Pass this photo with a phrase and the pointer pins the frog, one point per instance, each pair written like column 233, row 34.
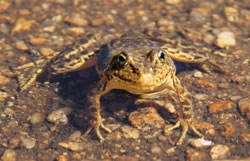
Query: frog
column 141, row 63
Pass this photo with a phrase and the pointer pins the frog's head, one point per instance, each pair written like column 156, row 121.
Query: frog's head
column 137, row 68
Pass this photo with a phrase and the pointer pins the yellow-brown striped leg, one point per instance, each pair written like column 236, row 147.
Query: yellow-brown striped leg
column 93, row 106
column 185, row 111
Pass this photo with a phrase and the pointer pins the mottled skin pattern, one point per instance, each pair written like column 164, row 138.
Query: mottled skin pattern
column 141, row 64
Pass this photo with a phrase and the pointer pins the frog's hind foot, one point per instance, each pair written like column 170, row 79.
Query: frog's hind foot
column 97, row 131
column 28, row 73
column 185, row 124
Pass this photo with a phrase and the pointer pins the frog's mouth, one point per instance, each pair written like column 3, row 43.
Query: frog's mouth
column 146, row 83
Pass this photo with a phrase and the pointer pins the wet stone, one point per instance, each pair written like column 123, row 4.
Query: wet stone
column 76, row 30
column 4, row 6
column 74, row 146
column 201, row 96
column 231, row 14
column 28, row 143
column 146, row 118
column 228, row 130
column 219, row 152
column 45, row 51
column 37, row 40
column 155, row 149
column 225, row 39
column 59, row 116
column 130, row 132
column 61, row 158
column 245, row 137
column 75, row 136
column 36, row 118
column 200, row 143
column 4, row 80
column 9, row 155
column 77, row 20
column 244, row 106
column 223, row 85
column 22, row 25
column 21, row 46
column 198, row 74
column 220, row 106
column 97, row 22
column 3, row 96
column 205, row 84
column 193, row 155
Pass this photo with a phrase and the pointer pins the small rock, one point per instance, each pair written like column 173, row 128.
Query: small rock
column 45, row 51
column 244, row 106
column 231, row 14
column 4, row 80
column 245, row 137
column 220, row 106
column 241, row 79
column 77, row 20
column 205, row 84
column 173, row 1
column 59, row 116
column 3, row 96
column 61, row 158
column 200, row 143
column 4, row 5
column 163, row 22
column 193, row 155
column 28, row 142
column 198, row 74
column 171, row 150
column 36, row 118
column 219, row 152
column 76, row 30
column 155, row 149
column 21, row 46
column 22, row 25
column 209, row 38
column 97, row 22
column 228, row 130
column 74, row 146
column 9, row 155
column 146, row 118
column 225, row 39
column 129, row 132
column 75, row 136
column 37, row 40
column 235, row 98
column 9, row 112
column 223, row 85
column 49, row 29
column 200, row 96
column 241, row 159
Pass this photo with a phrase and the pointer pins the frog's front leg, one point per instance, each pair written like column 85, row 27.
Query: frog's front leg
column 94, row 110
column 185, row 111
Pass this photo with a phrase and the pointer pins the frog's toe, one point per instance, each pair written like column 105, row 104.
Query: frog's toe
column 99, row 135
column 195, row 131
column 105, row 128
column 97, row 131
column 185, row 124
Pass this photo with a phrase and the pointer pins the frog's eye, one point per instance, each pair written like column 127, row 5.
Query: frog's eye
column 161, row 55
column 119, row 61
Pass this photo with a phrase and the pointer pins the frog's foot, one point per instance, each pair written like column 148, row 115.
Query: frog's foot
column 185, row 124
column 97, row 130
column 212, row 65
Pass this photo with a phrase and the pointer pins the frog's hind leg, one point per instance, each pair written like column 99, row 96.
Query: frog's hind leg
column 202, row 61
column 28, row 73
